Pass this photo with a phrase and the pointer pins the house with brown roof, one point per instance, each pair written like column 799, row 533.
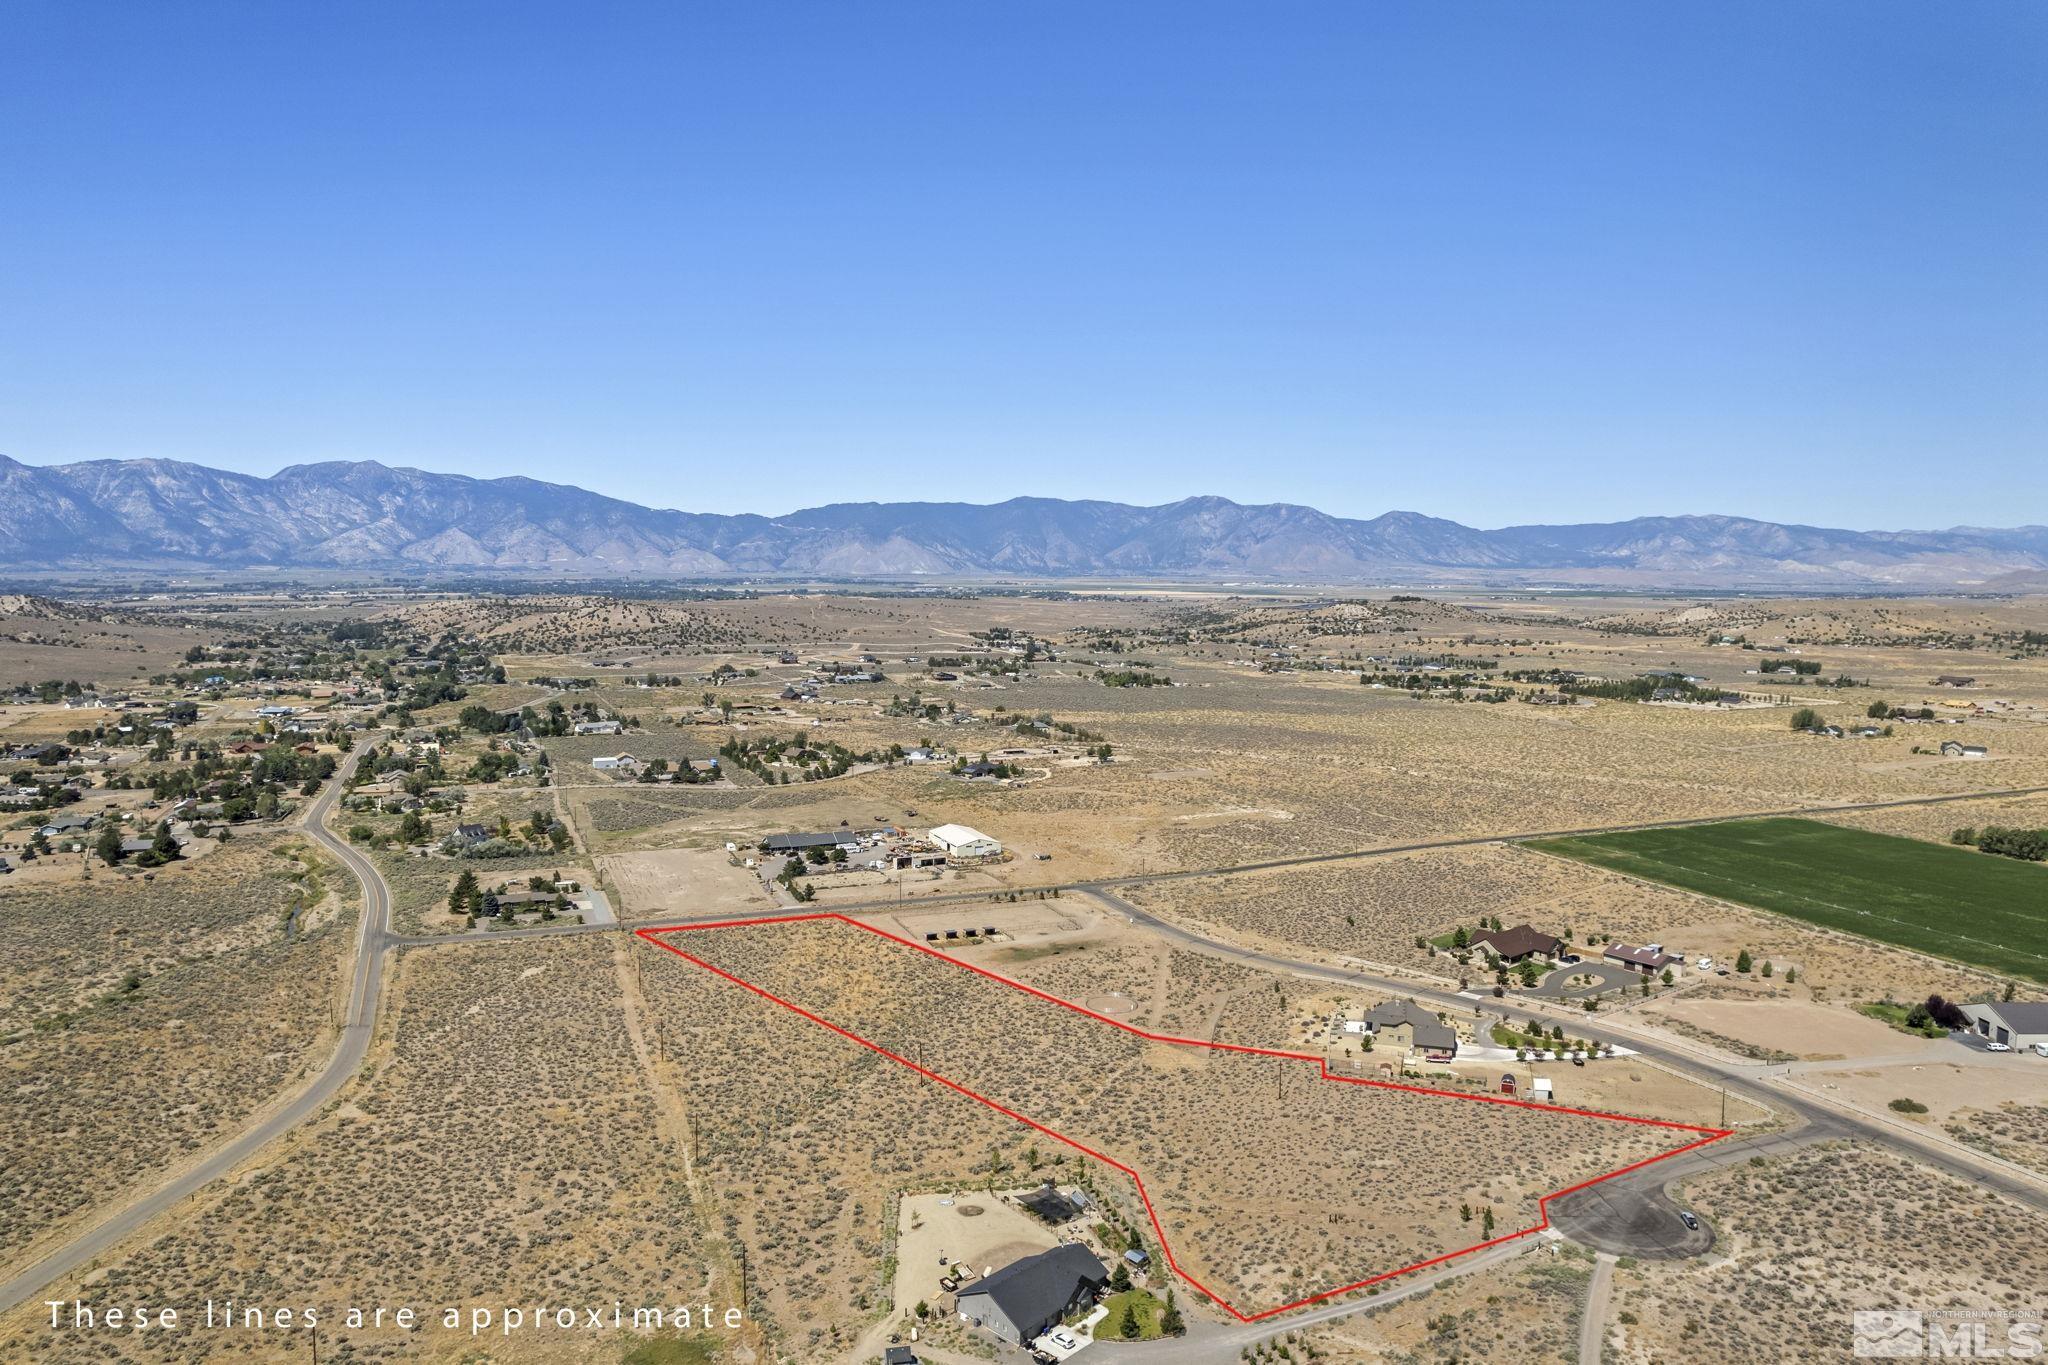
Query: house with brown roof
column 1518, row 944
column 1648, row 960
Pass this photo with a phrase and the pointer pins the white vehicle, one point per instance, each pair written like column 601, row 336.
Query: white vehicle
column 1705, row 964
column 1062, row 1338
column 1998, row 1047
column 2041, row 1049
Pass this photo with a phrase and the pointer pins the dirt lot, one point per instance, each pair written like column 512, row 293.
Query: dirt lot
column 1811, row 1031
column 1804, row 1242
column 1253, row 1216
column 681, row 881
column 970, row 1227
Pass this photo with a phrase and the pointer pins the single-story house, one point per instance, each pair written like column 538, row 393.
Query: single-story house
column 1952, row 749
column 804, row 843
column 71, row 822
column 615, row 761
column 597, row 727
column 1648, row 960
column 1020, row 1301
column 958, row 841
column 2020, row 1024
column 1517, row 944
column 471, row 834
column 1413, row 1029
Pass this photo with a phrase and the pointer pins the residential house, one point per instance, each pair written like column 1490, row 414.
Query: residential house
column 1517, row 944
column 1022, row 1300
column 1648, row 960
column 614, row 762
column 1952, row 749
column 1412, row 1028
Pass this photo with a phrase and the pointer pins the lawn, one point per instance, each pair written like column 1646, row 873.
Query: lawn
column 1144, row 1307
column 1958, row 903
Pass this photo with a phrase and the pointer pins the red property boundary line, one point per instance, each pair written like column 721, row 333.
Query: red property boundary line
column 657, row 935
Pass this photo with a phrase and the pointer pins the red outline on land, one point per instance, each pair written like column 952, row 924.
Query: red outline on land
column 655, row 934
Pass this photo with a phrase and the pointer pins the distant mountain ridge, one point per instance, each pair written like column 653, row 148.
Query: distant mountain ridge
column 114, row 514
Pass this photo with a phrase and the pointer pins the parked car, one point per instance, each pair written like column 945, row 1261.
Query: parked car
column 1998, row 1047
column 1062, row 1338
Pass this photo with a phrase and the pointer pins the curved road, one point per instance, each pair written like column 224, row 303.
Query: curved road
column 1817, row 1121
column 374, row 938
column 366, row 987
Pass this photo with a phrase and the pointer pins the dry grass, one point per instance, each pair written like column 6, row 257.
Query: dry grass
column 505, row 1146
column 1271, row 1183
column 144, row 1020
column 1806, row 1241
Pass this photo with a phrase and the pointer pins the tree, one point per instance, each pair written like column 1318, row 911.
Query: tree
column 464, row 894
column 1878, row 710
column 162, row 846
column 109, row 845
column 1791, row 976
column 1127, row 1325
column 1806, row 718
column 1743, row 961
column 1170, row 1323
column 1120, row 1278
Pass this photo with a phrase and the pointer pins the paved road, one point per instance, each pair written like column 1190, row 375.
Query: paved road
column 1817, row 1120
column 366, row 987
column 1593, row 1318
column 1214, row 1343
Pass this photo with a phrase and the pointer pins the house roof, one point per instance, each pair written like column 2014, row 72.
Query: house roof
column 957, row 834
column 1038, row 1288
column 2021, row 1016
column 1642, row 957
column 1516, row 942
column 1430, row 1032
column 783, row 843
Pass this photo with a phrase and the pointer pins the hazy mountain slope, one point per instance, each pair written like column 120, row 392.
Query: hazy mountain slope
column 116, row 513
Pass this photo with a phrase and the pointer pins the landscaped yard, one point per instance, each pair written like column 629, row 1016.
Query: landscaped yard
column 1961, row 904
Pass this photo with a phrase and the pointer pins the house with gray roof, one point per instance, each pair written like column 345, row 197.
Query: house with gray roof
column 2019, row 1024
column 1407, row 1025
column 1022, row 1300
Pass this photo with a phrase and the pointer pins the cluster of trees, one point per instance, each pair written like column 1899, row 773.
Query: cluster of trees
column 245, row 787
column 468, row 899
column 53, row 690
column 1131, row 677
column 816, row 760
column 162, row 847
column 2028, row 845
column 1639, row 689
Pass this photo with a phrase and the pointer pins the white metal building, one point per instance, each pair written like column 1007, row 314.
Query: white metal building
column 958, row 841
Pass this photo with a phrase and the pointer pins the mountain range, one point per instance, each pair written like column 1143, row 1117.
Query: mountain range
column 366, row 516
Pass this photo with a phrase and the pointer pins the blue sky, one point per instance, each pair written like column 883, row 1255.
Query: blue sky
column 1497, row 262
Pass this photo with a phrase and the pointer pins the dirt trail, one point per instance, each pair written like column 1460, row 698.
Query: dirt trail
column 674, row 1120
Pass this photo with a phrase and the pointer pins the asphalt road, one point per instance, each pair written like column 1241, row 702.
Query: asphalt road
column 374, row 938
column 365, row 989
column 1816, row 1121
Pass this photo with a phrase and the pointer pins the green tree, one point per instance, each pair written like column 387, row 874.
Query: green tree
column 1170, row 1322
column 108, row 845
column 1743, row 961
column 1878, row 710
column 1806, row 718
column 1127, row 1325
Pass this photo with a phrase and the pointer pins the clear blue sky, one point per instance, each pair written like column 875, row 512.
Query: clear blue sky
column 1500, row 262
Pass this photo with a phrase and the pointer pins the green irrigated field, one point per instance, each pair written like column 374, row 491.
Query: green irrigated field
column 1973, row 907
